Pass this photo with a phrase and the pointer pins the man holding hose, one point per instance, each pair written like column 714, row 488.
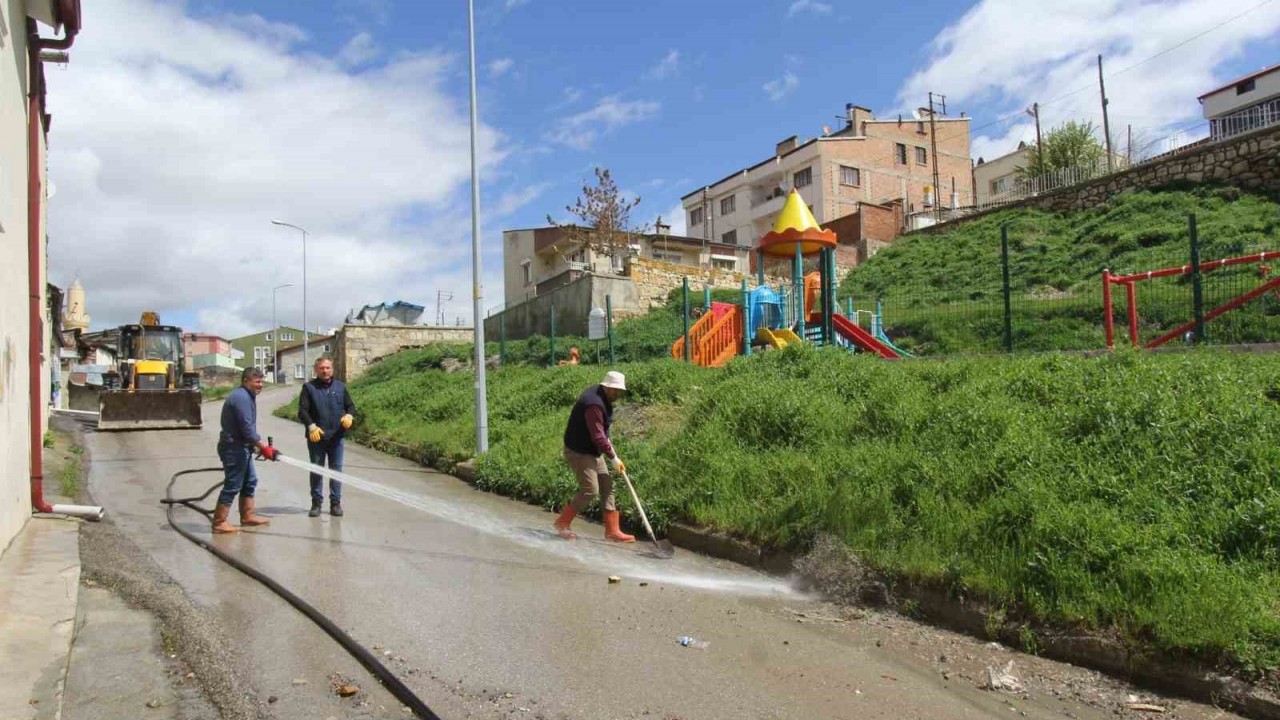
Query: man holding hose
column 237, row 440
column 586, row 445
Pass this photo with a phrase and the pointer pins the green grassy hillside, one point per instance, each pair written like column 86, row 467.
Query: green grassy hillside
column 941, row 292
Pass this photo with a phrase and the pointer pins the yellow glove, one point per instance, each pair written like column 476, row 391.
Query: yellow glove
column 314, row 433
column 619, row 466
column 346, row 421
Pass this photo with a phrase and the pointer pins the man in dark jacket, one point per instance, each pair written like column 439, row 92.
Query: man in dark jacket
column 236, row 443
column 586, row 445
column 326, row 409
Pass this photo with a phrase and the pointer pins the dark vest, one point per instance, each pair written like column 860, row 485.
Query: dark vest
column 576, row 437
column 327, row 407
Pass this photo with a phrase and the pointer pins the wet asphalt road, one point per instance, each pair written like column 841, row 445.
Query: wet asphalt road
column 475, row 604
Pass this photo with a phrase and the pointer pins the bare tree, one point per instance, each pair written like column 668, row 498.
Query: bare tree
column 603, row 218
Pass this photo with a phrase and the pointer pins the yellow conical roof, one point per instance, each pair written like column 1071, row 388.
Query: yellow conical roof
column 795, row 215
column 796, row 230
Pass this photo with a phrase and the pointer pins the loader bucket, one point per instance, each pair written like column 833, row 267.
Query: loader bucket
column 142, row 410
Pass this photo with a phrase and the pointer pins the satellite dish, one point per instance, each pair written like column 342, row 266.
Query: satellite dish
column 915, row 114
column 52, row 189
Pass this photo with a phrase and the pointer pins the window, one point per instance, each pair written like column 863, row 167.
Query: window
column 695, row 216
column 1246, row 86
column 286, row 336
column 261, row 354
column 900, row 153
column 297, row 372
column 850, row 176
column 922, row 156
column 730, row 238
column 326, row 348
column 671, row 257
column 803, row 178
column 528, row 272
column 724, row 264
column 920, row 126
column 728, row 205
column 1001, row 185
column 268, row 338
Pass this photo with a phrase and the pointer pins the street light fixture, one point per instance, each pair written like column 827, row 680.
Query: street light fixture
column 305, row 358
column 275, row 335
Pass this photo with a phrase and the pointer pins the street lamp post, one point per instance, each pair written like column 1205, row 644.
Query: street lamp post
column 275, row 336
column 305, row 353
column 482, row 413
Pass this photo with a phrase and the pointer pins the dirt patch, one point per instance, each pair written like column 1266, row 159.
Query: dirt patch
column 646, row 423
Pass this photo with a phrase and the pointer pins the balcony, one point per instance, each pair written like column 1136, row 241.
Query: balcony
column 768, row 204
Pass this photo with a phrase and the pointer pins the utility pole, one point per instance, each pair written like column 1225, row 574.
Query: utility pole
column 441, row 295
column 933, row 142
column 1106, row 122
column 1035, row 112
column 1128, row 153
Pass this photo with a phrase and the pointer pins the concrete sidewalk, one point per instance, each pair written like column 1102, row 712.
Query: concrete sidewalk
column 74, row 650
column 39, row 586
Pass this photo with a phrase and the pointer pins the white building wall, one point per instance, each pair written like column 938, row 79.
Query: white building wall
column 517, row 246
column 15, row 463
column 753, row 214
column 1226, row 101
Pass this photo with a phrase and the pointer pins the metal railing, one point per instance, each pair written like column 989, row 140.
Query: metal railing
column 1245, row 121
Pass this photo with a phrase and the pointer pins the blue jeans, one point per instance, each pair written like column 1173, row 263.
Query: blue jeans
column 237, row 468
column 326, row 453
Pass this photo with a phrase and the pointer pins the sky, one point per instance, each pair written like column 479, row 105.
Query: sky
column 181, row 129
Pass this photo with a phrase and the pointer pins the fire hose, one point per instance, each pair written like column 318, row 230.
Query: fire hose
column 371, row 663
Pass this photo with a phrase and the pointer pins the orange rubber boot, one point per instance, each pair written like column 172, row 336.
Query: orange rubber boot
column 563, row 522
column 612, row 531
column 248, row 518
column 220, row 524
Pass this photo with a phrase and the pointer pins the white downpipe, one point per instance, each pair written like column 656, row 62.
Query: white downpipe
column 88, row 512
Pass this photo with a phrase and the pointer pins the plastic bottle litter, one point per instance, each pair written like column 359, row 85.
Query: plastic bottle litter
column 689, row 642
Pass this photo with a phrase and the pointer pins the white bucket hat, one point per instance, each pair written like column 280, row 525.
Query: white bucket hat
column 614, row 379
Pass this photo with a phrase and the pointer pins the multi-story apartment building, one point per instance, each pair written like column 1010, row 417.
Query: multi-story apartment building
column 868, row 161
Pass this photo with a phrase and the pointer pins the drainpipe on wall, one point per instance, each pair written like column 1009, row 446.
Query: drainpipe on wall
column 69, row 17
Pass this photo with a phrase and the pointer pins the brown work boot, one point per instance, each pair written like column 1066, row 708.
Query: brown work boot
column 612, row 531
column 563, row 522
column 220, row 524
column 247, row 517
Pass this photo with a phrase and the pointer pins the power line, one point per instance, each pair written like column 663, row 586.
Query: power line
column 1126, row 69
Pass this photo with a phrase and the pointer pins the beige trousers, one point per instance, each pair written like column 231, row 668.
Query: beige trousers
column 593, row 478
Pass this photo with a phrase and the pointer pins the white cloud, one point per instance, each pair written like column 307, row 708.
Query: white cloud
column 675, row 218
column 666, row 67
column 1003, row 55
column 780, row 88
column 177, row 140
column 499, row 67
column 580, row 131
column 359, row 50
column 512, row 201
column 813, row 6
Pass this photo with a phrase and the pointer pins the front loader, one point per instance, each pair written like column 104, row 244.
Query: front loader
column 147, row 389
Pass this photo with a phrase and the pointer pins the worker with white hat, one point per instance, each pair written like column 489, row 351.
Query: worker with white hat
column 586, row 445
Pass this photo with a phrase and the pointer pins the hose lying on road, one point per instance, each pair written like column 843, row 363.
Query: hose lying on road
column 366, row 658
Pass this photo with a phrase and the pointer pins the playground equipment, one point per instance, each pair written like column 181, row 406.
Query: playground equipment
column 811, row 315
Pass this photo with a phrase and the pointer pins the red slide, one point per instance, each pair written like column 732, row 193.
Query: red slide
column 859, row 337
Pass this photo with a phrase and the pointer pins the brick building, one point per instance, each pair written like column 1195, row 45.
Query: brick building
column 869, row 161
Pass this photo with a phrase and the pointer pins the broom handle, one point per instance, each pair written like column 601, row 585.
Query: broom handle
column 643, row 518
